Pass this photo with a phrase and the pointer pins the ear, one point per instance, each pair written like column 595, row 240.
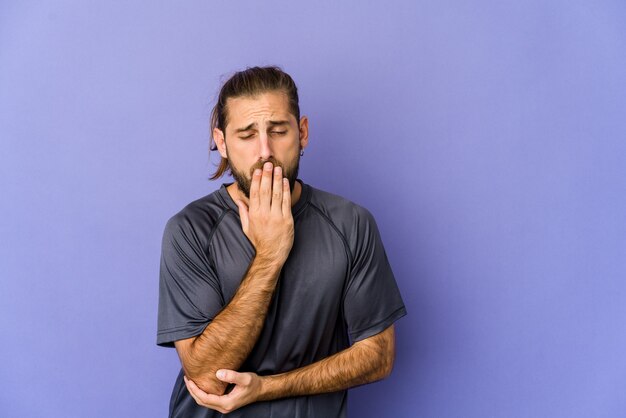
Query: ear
column 218, row 136
column 304, row 132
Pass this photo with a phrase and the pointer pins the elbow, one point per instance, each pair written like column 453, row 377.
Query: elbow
column 208, row 382
column 213, row 386
column 385, row 368
column 380, row 369
column 380, row 349
column 386, row 359
column 388, row 352
column 199, row 369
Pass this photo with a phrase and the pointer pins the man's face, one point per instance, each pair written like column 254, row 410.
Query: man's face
column 260, row 129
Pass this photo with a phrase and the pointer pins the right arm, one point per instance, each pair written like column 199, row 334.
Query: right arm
column 230, row 336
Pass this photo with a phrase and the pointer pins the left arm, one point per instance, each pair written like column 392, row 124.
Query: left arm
column 366, row 361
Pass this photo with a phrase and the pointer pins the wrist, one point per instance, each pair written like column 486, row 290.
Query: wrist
column 268, row 261
column 269, row 388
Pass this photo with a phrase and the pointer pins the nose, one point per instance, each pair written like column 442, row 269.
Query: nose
column 265, row 151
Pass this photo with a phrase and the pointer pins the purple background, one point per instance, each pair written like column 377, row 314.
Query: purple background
column 488, row 138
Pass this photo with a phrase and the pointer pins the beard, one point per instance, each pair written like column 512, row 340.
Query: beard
column 244, row 181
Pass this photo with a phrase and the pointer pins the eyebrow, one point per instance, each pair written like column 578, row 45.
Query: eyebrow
column 253, row 125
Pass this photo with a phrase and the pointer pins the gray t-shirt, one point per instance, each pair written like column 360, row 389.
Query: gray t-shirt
column 336, row 287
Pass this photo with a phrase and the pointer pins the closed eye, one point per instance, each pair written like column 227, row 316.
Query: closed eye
column 273, row 132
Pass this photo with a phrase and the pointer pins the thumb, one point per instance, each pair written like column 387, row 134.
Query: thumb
column 243, row 215
column 229, row 376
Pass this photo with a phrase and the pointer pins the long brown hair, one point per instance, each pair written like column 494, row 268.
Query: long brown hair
column 250, row 82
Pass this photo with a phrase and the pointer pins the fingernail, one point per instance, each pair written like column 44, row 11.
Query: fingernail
column 185, row 377
column 220, row 374
column 267, row 166
column 257, row 172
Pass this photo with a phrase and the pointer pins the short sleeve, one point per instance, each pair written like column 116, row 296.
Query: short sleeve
column 189, row 291
column 372, row 300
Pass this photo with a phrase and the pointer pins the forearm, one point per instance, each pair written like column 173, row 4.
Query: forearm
column 364, row 362
column 229, row 338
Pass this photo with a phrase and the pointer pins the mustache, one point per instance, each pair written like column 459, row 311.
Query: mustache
column 259, row 164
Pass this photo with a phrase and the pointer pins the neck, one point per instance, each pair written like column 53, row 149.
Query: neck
column 237, row 194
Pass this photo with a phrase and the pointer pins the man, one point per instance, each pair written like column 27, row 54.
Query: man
column 277, row 296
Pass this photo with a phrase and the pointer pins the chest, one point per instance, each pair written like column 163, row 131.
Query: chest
column 314, row 273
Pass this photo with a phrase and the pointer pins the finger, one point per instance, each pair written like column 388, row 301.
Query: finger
column 193, row 390
column 277, row 189
column 286, row 197
column 201, row 397
column 231, row 376
column 243, row 215
column 265, row 191
column 254, row 188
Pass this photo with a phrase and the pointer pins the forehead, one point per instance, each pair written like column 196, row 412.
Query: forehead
column 247, row 109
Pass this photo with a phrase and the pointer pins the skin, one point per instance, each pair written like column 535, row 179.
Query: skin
column 264, row 140
column 210, row 360
column 366, row 361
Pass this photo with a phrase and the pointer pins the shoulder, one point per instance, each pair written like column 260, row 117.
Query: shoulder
column 353, row 221
column 197, row 219
column 338, row 209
